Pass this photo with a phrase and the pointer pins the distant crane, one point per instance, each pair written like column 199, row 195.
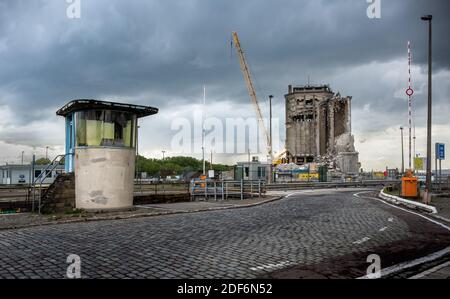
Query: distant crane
column 252, row 92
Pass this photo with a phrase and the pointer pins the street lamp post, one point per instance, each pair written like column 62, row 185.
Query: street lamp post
column 403, row 153
column 428, row 19
column 270, row 140
column 137, row 153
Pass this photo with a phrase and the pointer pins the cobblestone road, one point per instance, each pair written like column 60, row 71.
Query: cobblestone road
column 300, row 231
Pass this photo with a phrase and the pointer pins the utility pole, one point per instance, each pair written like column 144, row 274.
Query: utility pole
column 203, row 129
column 211, row 164
column 46, row 152
column 403, row 153
column 163, row 153
column 428, row 18
column 270, row 139
column 22, row 156
column 137, row 150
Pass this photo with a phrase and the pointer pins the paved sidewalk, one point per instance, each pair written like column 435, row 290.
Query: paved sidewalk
column 21, row 220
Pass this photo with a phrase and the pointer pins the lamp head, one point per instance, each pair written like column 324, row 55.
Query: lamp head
column 427, row 18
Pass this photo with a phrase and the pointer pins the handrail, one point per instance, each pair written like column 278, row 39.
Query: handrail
column 41, row 178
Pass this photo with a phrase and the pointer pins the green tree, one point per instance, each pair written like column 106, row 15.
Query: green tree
column 43, row 161
column 173, row 166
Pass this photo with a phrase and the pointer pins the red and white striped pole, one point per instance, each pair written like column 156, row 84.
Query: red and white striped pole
column 409, row 93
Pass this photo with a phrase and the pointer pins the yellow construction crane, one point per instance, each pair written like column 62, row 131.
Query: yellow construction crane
column 252, row 93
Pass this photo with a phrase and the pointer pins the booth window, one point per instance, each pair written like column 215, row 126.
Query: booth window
column 105, row 128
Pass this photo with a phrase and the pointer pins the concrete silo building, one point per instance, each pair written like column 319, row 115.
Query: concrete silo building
column 318, row 128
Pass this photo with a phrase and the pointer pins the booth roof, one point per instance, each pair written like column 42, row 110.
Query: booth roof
column 82, row 104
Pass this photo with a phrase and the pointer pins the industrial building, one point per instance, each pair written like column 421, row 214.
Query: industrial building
column 14, row 174
column 252, row 171
column 318, row 128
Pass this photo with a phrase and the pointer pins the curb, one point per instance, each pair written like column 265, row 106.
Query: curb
column 440, row 218
column 409, row 203
column 140, row 215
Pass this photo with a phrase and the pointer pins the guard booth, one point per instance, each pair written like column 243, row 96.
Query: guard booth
column 101, row 150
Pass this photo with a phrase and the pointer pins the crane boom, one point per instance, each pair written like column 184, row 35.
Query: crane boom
column 252, row 92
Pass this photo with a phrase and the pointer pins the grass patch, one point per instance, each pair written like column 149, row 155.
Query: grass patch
column 392, row 191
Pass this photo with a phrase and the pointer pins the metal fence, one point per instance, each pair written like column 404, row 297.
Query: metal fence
column 160, row 188
column 224, row 190
column 15, row 199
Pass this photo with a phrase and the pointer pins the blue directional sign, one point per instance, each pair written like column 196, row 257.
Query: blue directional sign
column 440, row 151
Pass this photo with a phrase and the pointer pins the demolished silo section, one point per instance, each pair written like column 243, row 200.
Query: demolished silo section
column 318, row 129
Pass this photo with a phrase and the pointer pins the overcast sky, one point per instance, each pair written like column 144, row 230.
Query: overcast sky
column 160, row 53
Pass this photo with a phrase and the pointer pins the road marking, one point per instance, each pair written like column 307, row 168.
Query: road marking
column 357, row 194
column 430, row 271
column 411, row 212
column 409, row 264
column 363, row 240
column 383, row 229
column 292, row 192
column 272, row 266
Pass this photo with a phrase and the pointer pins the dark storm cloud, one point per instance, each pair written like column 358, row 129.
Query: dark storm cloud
column 161, row 52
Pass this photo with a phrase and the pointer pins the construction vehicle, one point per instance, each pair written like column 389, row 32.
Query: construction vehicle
column 252, row 92
column 254, row 99
column 280, row 158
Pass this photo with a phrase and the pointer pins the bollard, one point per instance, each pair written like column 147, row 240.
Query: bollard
column 215, row 191
column 222, row 192
column 226, row 191
column 259, row 188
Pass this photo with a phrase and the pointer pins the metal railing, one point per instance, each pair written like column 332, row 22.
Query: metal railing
column 224, row 190
column 39, row 180
column 303, row 185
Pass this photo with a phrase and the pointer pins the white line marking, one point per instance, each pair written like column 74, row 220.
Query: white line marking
column 430, row 271
column 327, row 190
column 272, row 266
column 418, row 261
column 363, row 240
column 391, row 219
column 357, row 194
column 411, row 212
column 383, row 229
column 409, row 264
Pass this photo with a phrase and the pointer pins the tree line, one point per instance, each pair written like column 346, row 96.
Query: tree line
column 174, row 166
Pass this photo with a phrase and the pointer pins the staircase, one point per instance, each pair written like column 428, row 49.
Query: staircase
column 60, row 196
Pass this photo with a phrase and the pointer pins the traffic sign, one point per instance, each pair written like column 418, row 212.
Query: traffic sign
column 440, row 151
column 419, row 163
